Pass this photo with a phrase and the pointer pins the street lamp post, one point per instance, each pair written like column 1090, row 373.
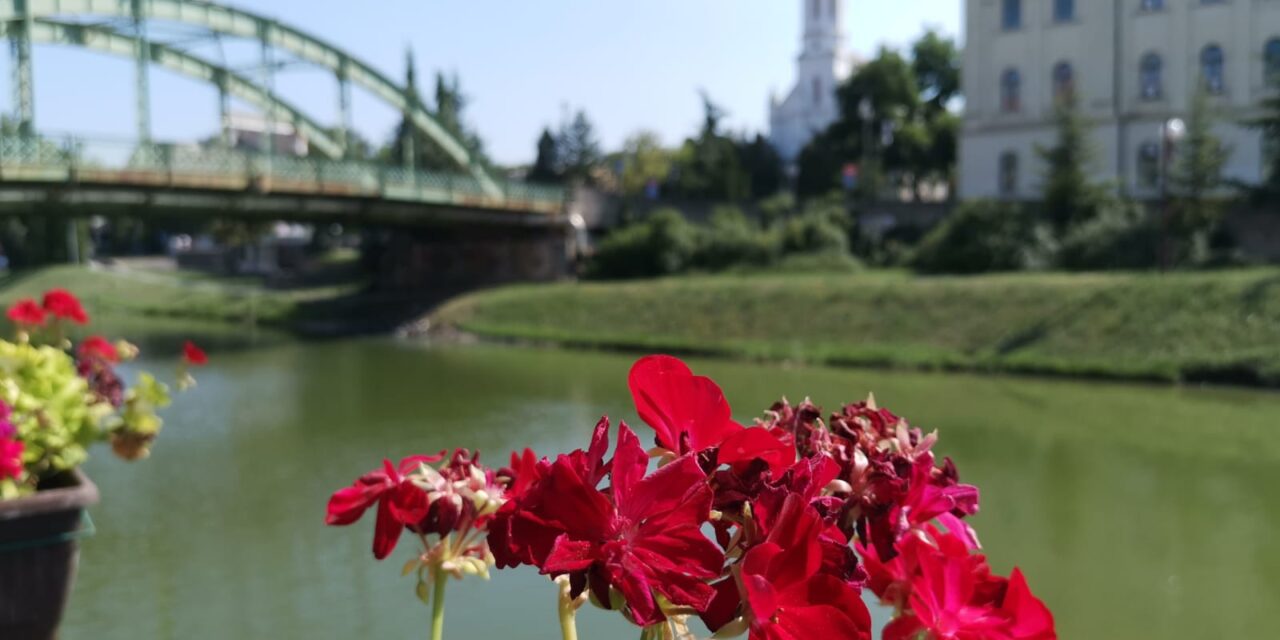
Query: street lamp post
column 1171, row 132
column 866, row 111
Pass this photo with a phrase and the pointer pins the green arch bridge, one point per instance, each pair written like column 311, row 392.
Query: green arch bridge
column 108, row 174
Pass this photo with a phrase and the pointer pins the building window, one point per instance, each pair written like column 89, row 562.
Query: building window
column 1010, row 91
column 815, row 9
column 1064, row 82
column 1212, row 69
column 1011, row 15
column 1064, row 10
column 1008, row 174
column 1149, row 165
column 817, row 91
column 1152, row 5
column 1152, row 76
column 1271, row 61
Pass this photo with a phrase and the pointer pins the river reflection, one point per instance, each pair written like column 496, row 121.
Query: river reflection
column 1136, row 511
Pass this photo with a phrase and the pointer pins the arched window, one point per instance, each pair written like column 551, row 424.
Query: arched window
column 1011, row 14
column 1008, row 174
column 1011, row 91
column 1064, row 81
column 1151, row 76
column 1213, row 69
column 1149, row 165
column 1064, row 10
column 1271, row 61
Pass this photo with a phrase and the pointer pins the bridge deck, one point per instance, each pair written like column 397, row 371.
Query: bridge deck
column 207, row 175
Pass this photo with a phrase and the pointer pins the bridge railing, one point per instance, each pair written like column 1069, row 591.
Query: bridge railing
column 216, row 167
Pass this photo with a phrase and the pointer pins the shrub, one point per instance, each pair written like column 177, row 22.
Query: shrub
column 983, row 236
column 730, row 239
column 823, row 227
column 661, row 244
column 1120, row 236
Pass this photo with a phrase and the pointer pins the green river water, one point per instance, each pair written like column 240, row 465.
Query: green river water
column 1136, row 511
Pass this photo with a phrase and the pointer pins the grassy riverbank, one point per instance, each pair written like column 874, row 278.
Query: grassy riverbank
column 1219, row 326
column 160, row 294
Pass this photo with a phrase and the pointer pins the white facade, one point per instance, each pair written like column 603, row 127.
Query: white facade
column 823, row 64
column 1132, row 64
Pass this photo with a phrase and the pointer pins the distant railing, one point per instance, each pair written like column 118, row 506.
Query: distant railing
column 213, row 167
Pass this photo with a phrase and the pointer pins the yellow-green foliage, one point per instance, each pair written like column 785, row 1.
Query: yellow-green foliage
column 140, row 405
column 55, row 414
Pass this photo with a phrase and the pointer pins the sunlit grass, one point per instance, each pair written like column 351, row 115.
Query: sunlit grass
column 1212, row 325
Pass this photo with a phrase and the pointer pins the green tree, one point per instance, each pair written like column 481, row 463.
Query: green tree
column 1070, row 198
column 905, row 133
column 412, row 147
column 763, row 166
column 709, row 166
column 579, row 148
column 644, row 161
column 1197, row 172
column 546, row 168
column 935, row 61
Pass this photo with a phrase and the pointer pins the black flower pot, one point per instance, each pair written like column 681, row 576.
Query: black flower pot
column 38, row 555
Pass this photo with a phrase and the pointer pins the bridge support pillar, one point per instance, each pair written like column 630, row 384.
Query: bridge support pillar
column 142, row 79
column 458, row 259
column 24, row 97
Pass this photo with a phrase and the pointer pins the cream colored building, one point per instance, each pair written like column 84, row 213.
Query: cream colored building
column 1132, row 65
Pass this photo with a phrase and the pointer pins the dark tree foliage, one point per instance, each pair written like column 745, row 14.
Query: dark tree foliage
column 909, row 136
column 578, row 148
column 450, row 104
column 763, row 166
column 547, row 166
column 1069, row 197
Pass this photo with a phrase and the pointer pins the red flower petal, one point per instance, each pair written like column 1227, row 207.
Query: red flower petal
column 1031, row 619
column 193, row 355
column 688, row 412
column 26, row 312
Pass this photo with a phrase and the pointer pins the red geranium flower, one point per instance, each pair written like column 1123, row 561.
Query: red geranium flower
column 98, row 347
column 788, row 597
column 399, row 502
column 10, row 458
column 955, row 597
column 690, row 414
column 26, row 312
column 193, row 355
column 640, row 536
column 64, row 306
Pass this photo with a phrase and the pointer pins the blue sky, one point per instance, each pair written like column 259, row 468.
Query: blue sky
column 630, row 65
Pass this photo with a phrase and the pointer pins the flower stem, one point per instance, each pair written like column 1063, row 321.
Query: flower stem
column 437, row 605
column 568, row 611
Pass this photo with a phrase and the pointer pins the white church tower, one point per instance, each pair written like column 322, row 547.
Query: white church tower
column 823, row 64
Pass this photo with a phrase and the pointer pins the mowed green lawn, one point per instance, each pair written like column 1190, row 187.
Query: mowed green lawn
column 164, row 294
column 1219, row 326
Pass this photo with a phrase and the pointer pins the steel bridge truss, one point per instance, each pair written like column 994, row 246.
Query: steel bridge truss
column 121, row 28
